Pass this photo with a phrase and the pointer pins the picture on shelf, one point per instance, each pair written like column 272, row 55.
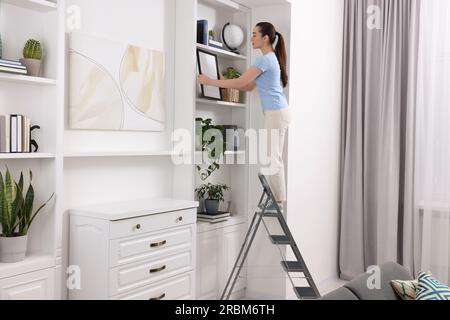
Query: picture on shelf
column 115, row 86
column 208, row 65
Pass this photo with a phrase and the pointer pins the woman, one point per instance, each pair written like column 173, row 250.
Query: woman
column 270, row 76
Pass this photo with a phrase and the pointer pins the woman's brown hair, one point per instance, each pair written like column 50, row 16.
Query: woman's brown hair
column 267, row 29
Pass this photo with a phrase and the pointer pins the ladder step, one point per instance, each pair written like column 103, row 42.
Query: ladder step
column 283, row 240
column 269, row 214
column 305, row 293
column 293, row 266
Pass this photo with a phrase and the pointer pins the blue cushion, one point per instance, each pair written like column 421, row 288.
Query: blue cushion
column 431, row 289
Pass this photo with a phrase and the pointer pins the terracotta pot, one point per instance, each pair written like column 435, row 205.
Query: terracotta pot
column 33, row 66
column 13, row 249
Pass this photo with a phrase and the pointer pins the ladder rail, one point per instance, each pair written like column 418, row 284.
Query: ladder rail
column 251, row 234
column 288, row 233
column 266, row 199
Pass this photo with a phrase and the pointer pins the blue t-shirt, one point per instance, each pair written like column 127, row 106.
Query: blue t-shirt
column 269, row 83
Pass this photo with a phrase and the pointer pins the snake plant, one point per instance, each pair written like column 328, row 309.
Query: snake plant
column 16, row 209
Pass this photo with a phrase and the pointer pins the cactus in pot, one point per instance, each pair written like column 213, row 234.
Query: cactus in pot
column 32, row 57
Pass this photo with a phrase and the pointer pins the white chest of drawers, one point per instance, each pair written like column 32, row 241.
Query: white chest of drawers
column 143, row 249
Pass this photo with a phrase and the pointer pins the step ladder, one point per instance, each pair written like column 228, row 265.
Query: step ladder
column 270, row 209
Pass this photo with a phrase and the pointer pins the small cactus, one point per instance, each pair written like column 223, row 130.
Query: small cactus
column 32, row 50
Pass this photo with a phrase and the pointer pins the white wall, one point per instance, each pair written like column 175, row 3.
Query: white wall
column 314, row 137
column 145, row 23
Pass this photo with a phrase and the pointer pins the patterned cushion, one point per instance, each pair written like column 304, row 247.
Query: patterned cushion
column 431, row 289
column 405, row 289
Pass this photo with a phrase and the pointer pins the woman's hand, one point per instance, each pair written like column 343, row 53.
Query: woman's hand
column 204, row 80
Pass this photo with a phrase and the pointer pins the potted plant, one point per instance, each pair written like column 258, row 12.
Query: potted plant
column 212, row 194
column 211, row 34
column 231, row 95
column 16, row 216
column 213, row 149
column 32, row 57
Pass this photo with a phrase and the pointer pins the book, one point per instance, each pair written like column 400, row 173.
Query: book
column 215, row 44
column 19, row 133
column 220, row 215
column 10, row 62
column 5, row 133
column 27, row 134
column 13, row 134
column 13, row 70
column 213, row 221
column 12, row 66
column 202, row 32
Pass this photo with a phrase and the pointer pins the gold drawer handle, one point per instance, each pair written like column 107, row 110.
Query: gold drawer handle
column 158, row 269
column 159, row 298
column 158, row 244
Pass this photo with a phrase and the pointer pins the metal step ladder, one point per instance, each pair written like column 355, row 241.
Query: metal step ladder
column 270, row 209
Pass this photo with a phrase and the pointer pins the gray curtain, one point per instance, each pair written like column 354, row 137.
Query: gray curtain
column 376, row 124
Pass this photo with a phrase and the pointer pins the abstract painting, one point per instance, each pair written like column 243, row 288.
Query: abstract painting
column 115, row 86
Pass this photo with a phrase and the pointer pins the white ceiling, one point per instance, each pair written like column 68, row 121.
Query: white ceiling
column 260, row 3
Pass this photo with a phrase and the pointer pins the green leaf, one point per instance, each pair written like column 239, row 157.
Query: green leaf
column 37, row 211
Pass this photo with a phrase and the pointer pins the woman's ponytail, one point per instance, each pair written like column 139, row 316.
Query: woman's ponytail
column 280, row 51
column 267, row 29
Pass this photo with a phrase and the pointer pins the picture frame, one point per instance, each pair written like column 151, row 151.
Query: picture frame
column 208, row 65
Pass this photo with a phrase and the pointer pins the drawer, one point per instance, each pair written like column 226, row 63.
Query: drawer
column 179, row 288
column 156, row 222
column 150, row 246
column 141, row 274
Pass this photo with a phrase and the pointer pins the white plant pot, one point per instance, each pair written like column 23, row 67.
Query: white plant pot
column 33, row 66
column 13, row 249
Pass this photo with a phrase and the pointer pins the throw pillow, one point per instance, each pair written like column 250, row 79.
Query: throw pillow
column 431, row 289
column 405, row 289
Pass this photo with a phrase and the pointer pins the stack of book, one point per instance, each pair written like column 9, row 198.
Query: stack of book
column 215, row 44
column 213, row 218
column 15, row 134
column 12, row 66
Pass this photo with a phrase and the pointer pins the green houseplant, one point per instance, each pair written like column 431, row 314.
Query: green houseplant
column 32, row 57
column 207, row 135
column 231, row 95
column 212, row 194
column 16, row 216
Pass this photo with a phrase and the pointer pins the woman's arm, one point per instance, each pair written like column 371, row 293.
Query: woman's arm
column 250, row 87
column 244, row 82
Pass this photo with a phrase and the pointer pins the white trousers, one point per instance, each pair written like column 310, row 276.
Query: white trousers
column 277, row 123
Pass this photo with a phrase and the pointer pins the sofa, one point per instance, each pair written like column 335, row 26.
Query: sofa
column 357, row 289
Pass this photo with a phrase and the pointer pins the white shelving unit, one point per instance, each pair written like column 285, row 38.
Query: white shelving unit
column 9, row 156
column 221, row 53
column 220, row 104
column 118, row 154
column 36, row 5
column 27, row 79
column 41, row 99
column 221, row 242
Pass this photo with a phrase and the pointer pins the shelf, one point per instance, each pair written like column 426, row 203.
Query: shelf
column 27, row 79
column 118, row 154
column 6, row 156
column 229, row 5
column 222, row 53
column 30, row 264
column 206, row 226
column 36, row 5
column 227, row 153
column 217, row 103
